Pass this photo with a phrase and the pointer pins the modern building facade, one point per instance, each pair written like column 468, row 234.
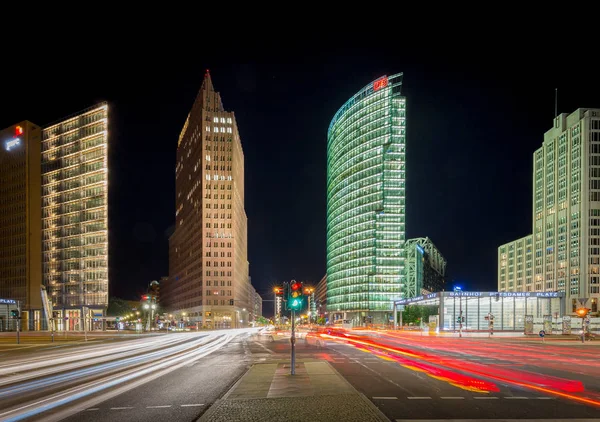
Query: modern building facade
column 20, row 222
column 75, row 217
column 257, row 304
column 208, row 264
column 425, row 268
column 508, row 311
column 563, row 252
column 366, row 203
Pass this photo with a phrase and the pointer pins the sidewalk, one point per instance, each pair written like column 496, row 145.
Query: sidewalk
column 316, row 393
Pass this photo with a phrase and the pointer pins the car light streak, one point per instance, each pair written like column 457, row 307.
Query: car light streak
column 152, row 370
column 484, row 372
column 85, row 372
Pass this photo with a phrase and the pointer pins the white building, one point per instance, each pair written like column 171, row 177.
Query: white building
column 563, row 253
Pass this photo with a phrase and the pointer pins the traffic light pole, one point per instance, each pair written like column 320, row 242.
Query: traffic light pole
column 293, row 340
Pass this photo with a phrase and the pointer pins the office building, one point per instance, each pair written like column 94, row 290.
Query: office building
column 425, row 268
column 563, row 252
column 75, row 217
column 366, row 203
column 20, row 223
column 208, row 264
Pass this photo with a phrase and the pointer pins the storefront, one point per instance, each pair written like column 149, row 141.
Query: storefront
column 506, row 310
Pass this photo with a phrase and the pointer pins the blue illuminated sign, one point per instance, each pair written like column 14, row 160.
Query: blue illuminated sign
column 8, row 301
column 12, row 143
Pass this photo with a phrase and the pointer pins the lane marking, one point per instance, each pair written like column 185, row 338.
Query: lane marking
column 385, row 398
column 120, row 408
column 452, row 398
column 499, row 420
column 192, row 405
column 485, row 398
column 92, row 408
column 419, row 398
column 516, row 398
column 158, row 407
column 543, row 398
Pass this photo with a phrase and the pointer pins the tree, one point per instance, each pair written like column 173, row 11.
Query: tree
column 117, row 307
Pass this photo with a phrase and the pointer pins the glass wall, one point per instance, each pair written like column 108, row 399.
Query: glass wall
column 365, row 199
column 508, row 309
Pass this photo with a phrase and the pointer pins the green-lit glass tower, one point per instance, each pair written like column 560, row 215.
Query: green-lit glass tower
column 365, row 203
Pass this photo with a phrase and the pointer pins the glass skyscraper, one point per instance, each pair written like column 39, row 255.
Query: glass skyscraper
column 75, row 217
column 366, row 203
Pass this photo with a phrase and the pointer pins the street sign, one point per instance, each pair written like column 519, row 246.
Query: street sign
column 583, row 300
column 542, row 333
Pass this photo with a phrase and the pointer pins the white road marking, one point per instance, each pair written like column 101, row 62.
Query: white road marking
column 192, row 405
column 419, row 398
column 92, row 408
column 385, row 398
column 452, row 398
column 120, row 408
column 158, row 407
column 543, row 398
column 485, row 398
column 499, row 420
column 516, row 398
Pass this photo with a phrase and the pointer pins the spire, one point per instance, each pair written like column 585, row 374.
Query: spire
column 207, row 82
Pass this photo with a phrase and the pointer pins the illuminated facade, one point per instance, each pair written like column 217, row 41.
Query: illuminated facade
column 208, row 264
column 75, row 217
column 20, row 222
column 425, row 268
column 365, row 203
column 563, row 253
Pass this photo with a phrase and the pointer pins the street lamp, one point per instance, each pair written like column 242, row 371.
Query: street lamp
column 460, row 316
column 308, row 291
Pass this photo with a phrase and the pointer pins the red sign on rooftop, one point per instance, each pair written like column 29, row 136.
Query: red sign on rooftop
column 380, row 83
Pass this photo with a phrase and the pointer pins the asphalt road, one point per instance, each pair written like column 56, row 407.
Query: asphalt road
column 172, row 377
column 411, row 378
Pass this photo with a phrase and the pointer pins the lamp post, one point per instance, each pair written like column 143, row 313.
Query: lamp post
column 308, row 291
column 460, row 317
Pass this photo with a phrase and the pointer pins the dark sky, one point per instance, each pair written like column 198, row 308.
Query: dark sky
column 474, row 120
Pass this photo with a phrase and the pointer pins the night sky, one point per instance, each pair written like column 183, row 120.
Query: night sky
column 473, row 122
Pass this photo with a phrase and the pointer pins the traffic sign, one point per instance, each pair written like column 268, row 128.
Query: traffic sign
column 542, row 333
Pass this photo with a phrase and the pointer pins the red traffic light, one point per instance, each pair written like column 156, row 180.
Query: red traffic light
column 18, row 130
column 296, row 286
column 144, row 297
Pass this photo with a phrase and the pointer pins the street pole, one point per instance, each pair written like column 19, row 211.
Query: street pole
column 293, row 340
column 84, row 323
column 18, row 321
column 461, row 317
column 395, row 317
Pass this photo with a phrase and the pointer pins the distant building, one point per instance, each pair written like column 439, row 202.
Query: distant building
column 425, row 268
column 563, row 252
column 258, row 304
column 366, row 144
column 20, row 223
column 208, row 261
column 75, row 216
column 321, row 297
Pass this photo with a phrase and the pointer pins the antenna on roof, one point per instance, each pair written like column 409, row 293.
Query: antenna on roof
column 555, row 102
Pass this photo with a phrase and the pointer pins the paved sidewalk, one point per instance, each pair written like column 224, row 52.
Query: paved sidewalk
column 316, row 393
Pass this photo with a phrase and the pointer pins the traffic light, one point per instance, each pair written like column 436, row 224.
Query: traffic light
column 295, row 296
column 278, row 291
column 14, row 314
column 582, row 312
